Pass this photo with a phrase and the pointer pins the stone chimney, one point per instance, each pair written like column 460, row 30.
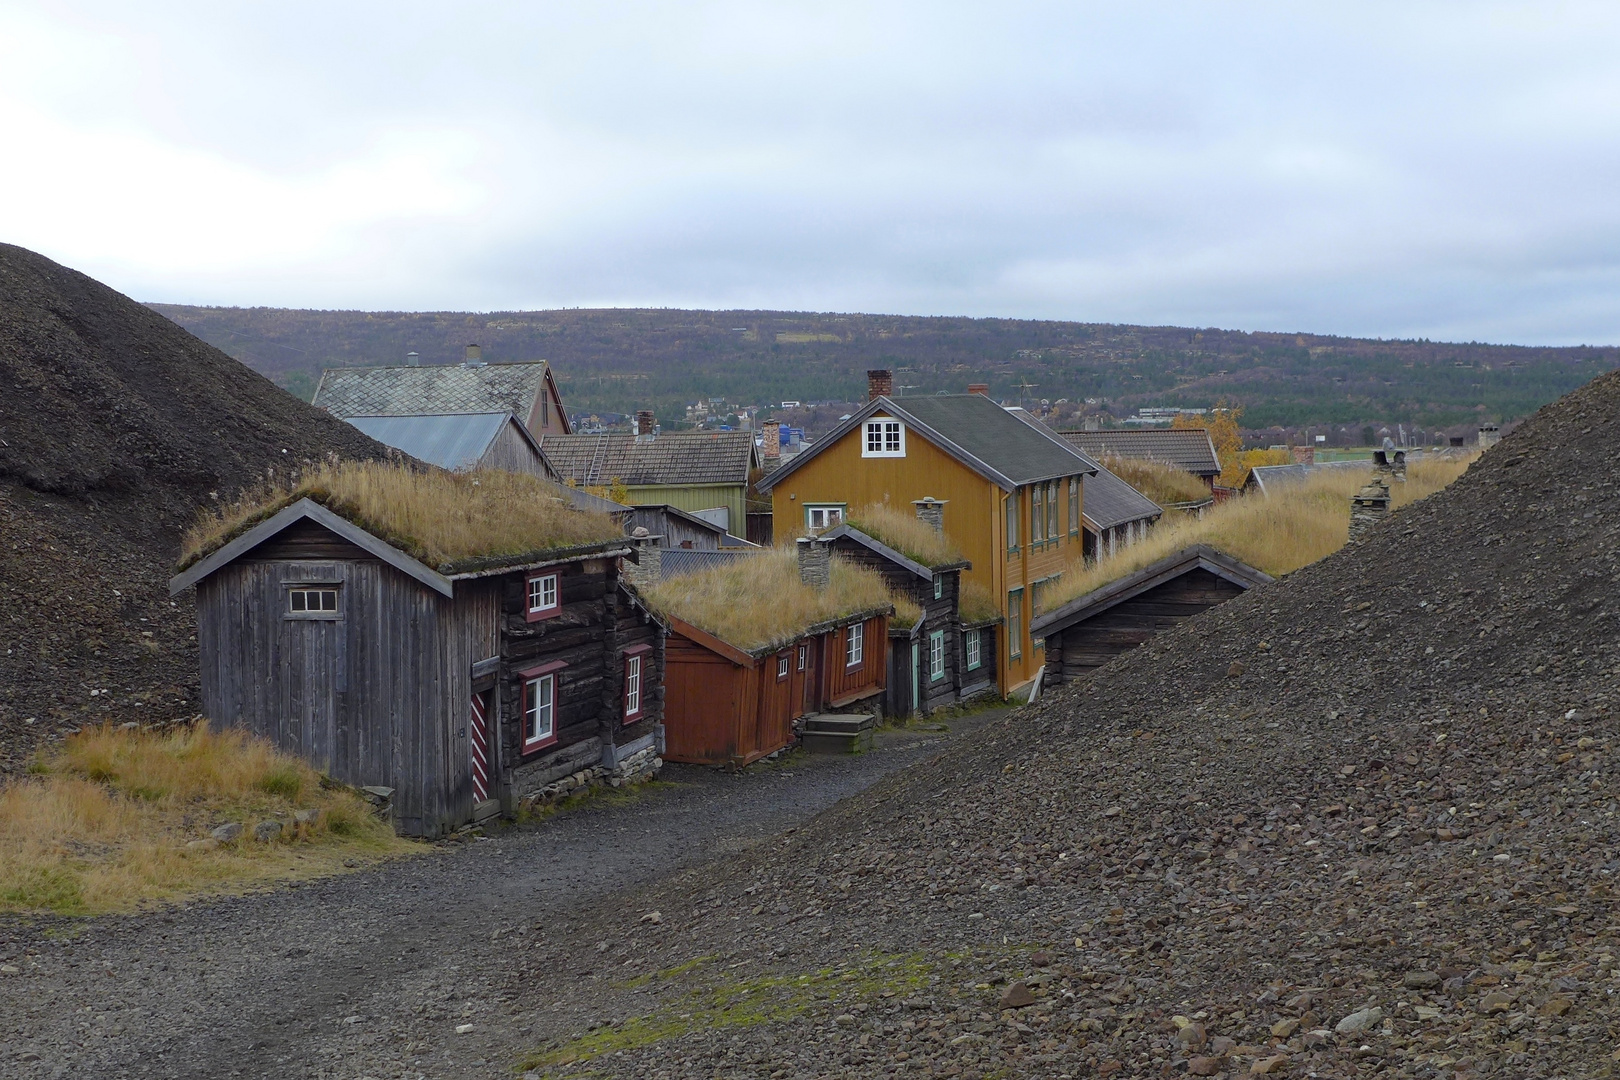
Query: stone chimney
column 879, row 383
column 980, row 388
column 770, row 442
column 648, row 551
column 473, row 356
column 646, row 425
column 815, row 561
column 1389, row 464
column 1303, row 455
column 931, row 511
column 1368, row 508
column 1489, row 435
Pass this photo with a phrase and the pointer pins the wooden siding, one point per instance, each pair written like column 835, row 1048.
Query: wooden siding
column 367, row 708
column 691, row 497
column 705, row 699
column 846, row 684
column 511, row 451
column 975, row 520
column 1082, row 648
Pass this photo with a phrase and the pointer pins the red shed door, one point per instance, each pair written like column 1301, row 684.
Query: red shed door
column 480, row 749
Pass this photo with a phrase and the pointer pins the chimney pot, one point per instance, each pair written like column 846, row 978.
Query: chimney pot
column 982, row 389
column 815, row 561
column 879, row 383
column 931, row 511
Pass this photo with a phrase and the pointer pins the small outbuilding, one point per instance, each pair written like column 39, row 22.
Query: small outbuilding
column 1090, row 630
column 757, row 645
column 464, row 641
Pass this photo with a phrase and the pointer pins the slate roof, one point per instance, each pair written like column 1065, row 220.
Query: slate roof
column 1107, row 501
column 448, row 440
column 1006, row 449
column 441, row 388
column 672, row 459
column 1185, row 448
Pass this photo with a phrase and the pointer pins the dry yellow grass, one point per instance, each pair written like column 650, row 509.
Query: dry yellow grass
column 103, row 824
column 439, row 517
column 977, row 604
column 759, row 603
column 907, row 612
column 905, row 534
column 1277, row 534
column 1164, row 484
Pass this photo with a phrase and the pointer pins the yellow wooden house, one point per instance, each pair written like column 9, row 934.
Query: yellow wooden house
column 1012, row 493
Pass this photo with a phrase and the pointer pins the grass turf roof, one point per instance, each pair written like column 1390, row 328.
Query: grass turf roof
column 758, row 604
column 903, row 532
column 1164, row 484
column 440, row 518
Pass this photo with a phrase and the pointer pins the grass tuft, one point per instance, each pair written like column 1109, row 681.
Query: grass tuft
column 1278, row 534
column 1164, row 484
column 760, row 603
column 977, row 605
column 438, row 517
column 104, row 823
column 904, row 533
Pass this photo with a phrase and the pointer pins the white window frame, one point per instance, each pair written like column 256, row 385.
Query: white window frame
column 533, row 710
column 971, row 640
column 1015, row 623
column 1037, row 514
column 883, row 437
column 1053, row 530
column 536, row 589
column 803, row 650
column 825, row 509
column 632, row 686
column 854, row 645
column 936, row 656
column 939, row 586
column 782, row 663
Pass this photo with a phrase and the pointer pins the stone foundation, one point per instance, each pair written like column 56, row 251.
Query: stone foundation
column 640, row 762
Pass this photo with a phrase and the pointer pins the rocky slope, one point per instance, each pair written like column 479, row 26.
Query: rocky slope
column 1359, row 823
column 115, row 427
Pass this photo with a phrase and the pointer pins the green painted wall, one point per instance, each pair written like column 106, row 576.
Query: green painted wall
column 699, row 497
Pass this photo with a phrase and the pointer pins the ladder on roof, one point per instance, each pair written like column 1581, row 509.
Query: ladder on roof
column 593, row 471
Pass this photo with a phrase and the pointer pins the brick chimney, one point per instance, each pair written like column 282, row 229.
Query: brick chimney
column 771, row 440
column 1368, row 508
column 931, row 511
column 472, row 356
column 646, row 424
column 879, row 383
column 980, row 388
column 815, row 561
column 648, row 551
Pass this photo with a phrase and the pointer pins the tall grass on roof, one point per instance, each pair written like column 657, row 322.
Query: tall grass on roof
column 914, row 539
column 760, row 603
column 1164, row 484
column 1278, row 533
column 977, row 605
column 438, row 517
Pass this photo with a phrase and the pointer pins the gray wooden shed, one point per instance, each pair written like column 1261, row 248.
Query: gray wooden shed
column 448, row 687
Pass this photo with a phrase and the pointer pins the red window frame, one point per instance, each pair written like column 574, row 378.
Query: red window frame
column 533, row 614
column 529, row 676
column 638, row 654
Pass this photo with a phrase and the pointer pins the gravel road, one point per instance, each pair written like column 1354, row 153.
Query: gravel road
column 372, row 973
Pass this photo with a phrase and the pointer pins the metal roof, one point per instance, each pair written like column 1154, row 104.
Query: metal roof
column 675, row 562
column 1186, row 448
column 440, row 388
column 1108, row 501
column 1006, row 449
column 673, row 458
column 449, row 440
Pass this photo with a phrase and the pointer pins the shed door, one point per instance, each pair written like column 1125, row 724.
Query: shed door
column 479, row 743
column 812, row 675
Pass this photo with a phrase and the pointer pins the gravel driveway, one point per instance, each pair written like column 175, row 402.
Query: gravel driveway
column 334, row 978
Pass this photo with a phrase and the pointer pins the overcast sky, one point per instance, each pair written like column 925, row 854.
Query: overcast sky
column 1397, row 170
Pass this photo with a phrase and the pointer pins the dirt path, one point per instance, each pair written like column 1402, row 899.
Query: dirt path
column 371, row 974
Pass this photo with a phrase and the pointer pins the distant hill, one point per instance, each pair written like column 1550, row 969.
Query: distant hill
column 622, row 359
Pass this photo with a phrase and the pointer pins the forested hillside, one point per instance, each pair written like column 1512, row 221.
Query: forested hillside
column 621, row 359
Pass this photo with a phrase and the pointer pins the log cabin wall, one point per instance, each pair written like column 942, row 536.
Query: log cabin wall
column 975, row 679
column 941, row 616
column 375, row 695
column 1080, row 649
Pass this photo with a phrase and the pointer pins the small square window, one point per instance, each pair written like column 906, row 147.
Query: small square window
column 316, row 601
column 542, row 596
column 823, row 517
column 884, row 438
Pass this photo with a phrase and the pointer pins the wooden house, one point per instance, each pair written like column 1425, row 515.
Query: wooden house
column 527, row 391
column 925, row 656
column 1189, row 449
column 1116, row 515
column 460, row 441
column 1091, row 630
column 701, row 472
column 467, row 687
column 1011, row 489
column 731, row 700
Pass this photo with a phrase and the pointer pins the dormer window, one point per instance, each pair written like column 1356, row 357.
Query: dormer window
column 885, row 437
column 543, row 598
